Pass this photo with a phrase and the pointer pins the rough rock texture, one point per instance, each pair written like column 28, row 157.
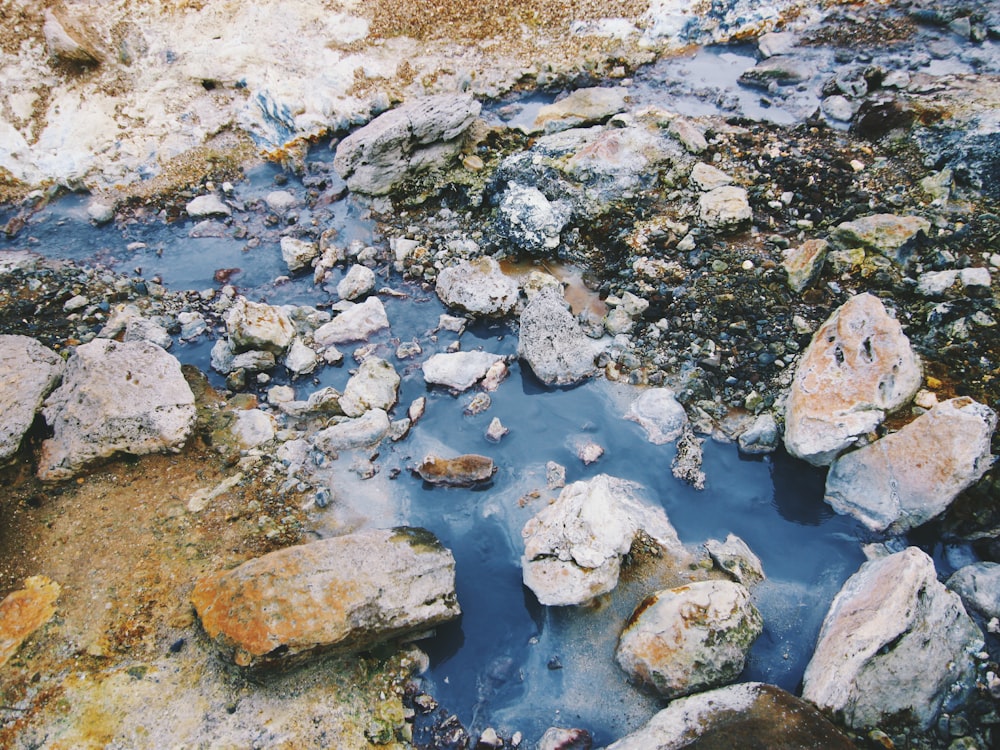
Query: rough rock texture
column 459, row 370
column 858, row 366
column 659, row 414
column 529, row 221
column 573, row 548
column 255, row 325
column 22, row 612
column 690, row 638
column 552, row 342
column 725, row 207
column 748, row 715
column 207, row 205
column 460, row 471
column 581, row 107
column 896, row 644
column 478, row 287
column 979, row 586
column 707, row 177
column 300, row 359
column 883, row 233
column 128, row 397
column 804, row 263
column 761, row 437
column 736, row 559
column 354, row 324
column 296, row 253
column 405, row 141
column 368, row 429
column 374, row 386
column 911, row 476
column 359, row 281
column 28, row 373
column 345, row 594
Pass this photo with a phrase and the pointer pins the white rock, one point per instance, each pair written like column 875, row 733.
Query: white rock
column 207, row 205
column 374, row 386
column 366, row 430
column 496, row 430
column 222, row 356
column 690, row 136
column 255, row 325
column 300, row 359
column 357, row 323
column 478, row 287
column 581, row 107
column 725, row 207
column 144, row 329
column 659, row 414
column 252, row 428
column 28, row 373
column 530, row 221
column 359, row 281
column 297, row 253
column 737, row 559
column 459, row 370
column 936, row 283
column 280, row 200
column 884, row 233
column 761, row 437
column 100, row 213
column 254, row 360
column 776, row 43
column 707, row 177
column 838, row 108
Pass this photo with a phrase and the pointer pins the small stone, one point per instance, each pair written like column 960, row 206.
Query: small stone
column 725, row 207
column 555, row 475
column 298, row 254
column 100, row 213
column 589, row 452
column 691, row 138
column 462, row 471
column 707, row 177
column 207, row 205
column 280, row 200
column 496, row 430
column 358, row 282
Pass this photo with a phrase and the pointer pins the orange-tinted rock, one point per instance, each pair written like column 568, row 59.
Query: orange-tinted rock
column 24, row 611
column 343, row 594
column 460, row 471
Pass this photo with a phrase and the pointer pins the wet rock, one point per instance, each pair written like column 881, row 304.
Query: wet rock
column 252, row 428
column 690, row 638
column 459, row 370
column 895, row 645
column 255, row 325
column 358, row 282
column 495, row 375
column 581, row 107
column 357, row 323
column 560, row 738
column 659, row 414
column 907, row 478
column 300, row 359
column 342, row 594
column 144, row 329
column 761, row 437
column 529, row 221
column 461, row 471
column 858, row 366
column 887, row 234
column 100, row 213
column 28, row 373
column 222, row 356
column 589, row 452
column 496, row 430
column 69, row 39
column 750, row 714
column 115, row 397
column 280, row 201
column 374, row 386
column 690, row 136
column 207, row 205
column 707, row 177
column 737, row 559
column 553, row 343
column 573, row 548
column 979, row 586
column 838, row 108
column 413, row 138
column 725, row 208
column 24, row 611
column 686, row 465
column 804, row 263
column 478, row 287
column 781, row 70
column 298, row 254
column 776, row 43
column 254, row 361
column 366, row 430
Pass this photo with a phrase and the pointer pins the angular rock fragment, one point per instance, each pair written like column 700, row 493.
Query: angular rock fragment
column 343, row 594
column 374, row 386
column 725, row 207
column 28, row 373
column 24, row 611
column 255, row 325
column 804, row 263
column 979, row 586
column 761, row 437
column 298, row 254
column 460, row 471
column 553, row 343
column 736, row 559
column 459, row 370
column 478, row 287
column 581, row 107
column 531, row 222
column 359, row 281
column 366, row 430
column 884, row 233
column 357, row 323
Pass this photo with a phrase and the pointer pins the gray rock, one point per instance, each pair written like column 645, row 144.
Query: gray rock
column 725, row 207
column 838, row 108
column 222, row 356
column 895, row 645
column 252, row 428
column 28, row 373
column 100, row 213
column 115, row 397
column 581, row 107
column 782, row 70
column 478, row 287
column 659, row 414
column 374, row 386
column 366, row 430
column 458, row 370
column 804, row 263
column 573, row 547
column 300, row 359
column 357, row 323
column 690, row 136
column 858, row 366
column 776, row 43
column 690, row 638
column 280, row 200
column 530, row 221
column 562, row 738
column 254, row 360
column 359, row 281
column 707, row 177
column 979, row 586
column 737, row 559
column 255, row 325
column 405, row 141
column 553, row 343
column 298, row 254
column 686, row 465
column 207, row 205
column 144, row 329
column 907, row 478
column 761, row 437
column 886, row 234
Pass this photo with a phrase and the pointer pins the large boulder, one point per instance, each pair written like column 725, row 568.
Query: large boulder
column 115, row 397
column 858, row 366
column 374, row 386
column 258, row 326
column 573, row 548
column 895, row 645
column 478, row 287
column 356, row 323
column 342, row 594
column 553, row 343
column 405, row 141
column 749, row 715
column 459, row 370
column 689, row 638
column 28, row 373
column 911, row 476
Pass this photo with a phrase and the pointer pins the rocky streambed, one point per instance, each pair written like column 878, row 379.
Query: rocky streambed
column 644, row 398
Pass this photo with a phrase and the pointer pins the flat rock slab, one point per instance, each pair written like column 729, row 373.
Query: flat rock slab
column 368, row 429
column 28, row 373
column 24, row 611
column 581, row 107
column 357, row 323
column 478, row 287
column 689, row 638
column 459, row 370
column 749, row 715
column 115, row 397
column 461, row 471
column 895, row 645
column 660, row 414
column 804, row 263
column 552, row 342
column 858, row 366
column 907, row 478
column 342, row 594
column 883, row 233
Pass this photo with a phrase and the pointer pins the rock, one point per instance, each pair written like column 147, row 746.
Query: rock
column 254, row 361
column 573, row 547
column 618, row 321
column 298, row 254
column 858, row 366
column 589, row 452
column 979, row 586
column 783, row 70
column 529, row 221
column 69, row 40
column 750, row 715
column 495, row 375
column 706, row 177
column 222, row 356
column 462, row 471
column 761, row 437
column 907, row 478
column 555, row 475
column 938, row 185
column 357, row 323
column 24, row 611
column 887, row 234
column 496, row 431
column 691, row 138
column 736, row 559
column 144, row 329
column 28, row 373
column 417, row 136
column 100, row 213
column 207, row 205
column 74, row 303
column 553, row 343
column 725, row 208
column 690, row 638
column 343, row 594
column 804, row 263
column 300, row 359
column 659, row 414
column 838, row 108
column 366, row 430
column 581, row 107
column 895, row 645
column 252, row 428
column 478, row 287
column 776, row 43
column 200, row 499
column 560, row 738
column 686, row 465
column 359, row 281
column 115, row 397
column 374, row 386
column 459, row 370
column 255, row 325
column 280, row 201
